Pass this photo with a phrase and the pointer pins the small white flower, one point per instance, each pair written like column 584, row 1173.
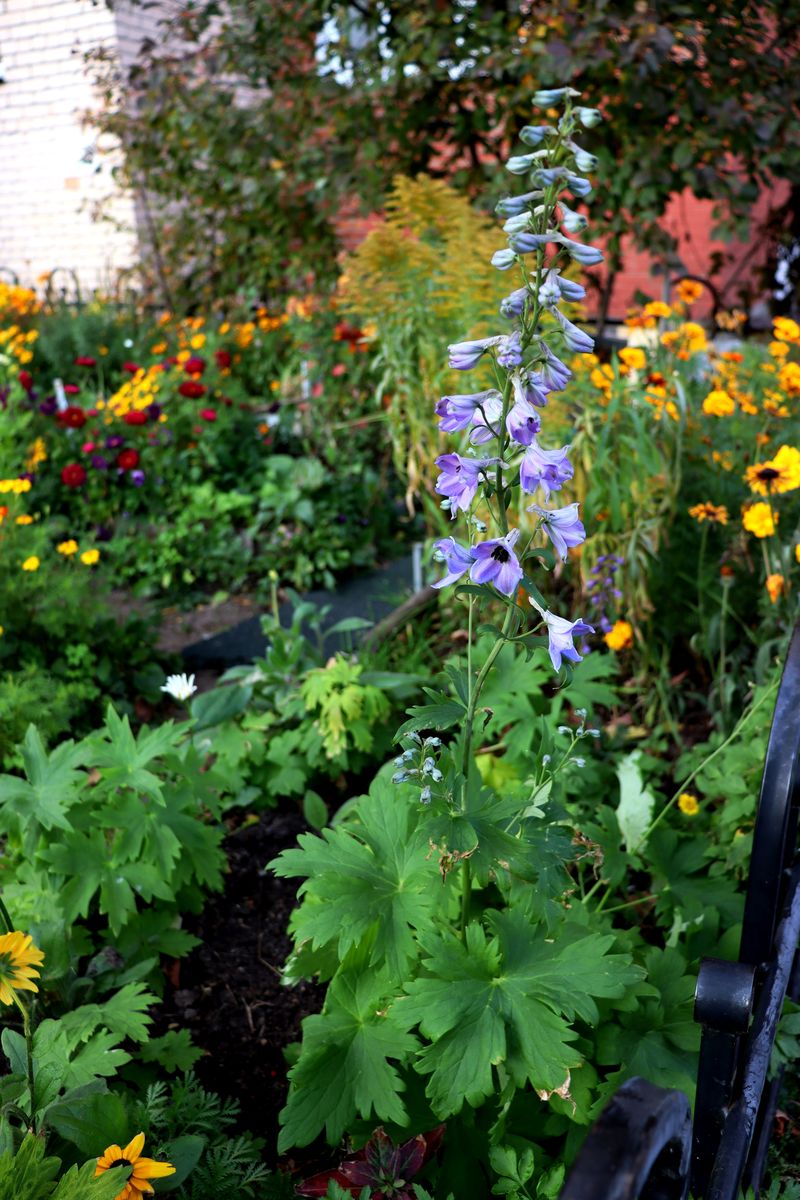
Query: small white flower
column 180, row 687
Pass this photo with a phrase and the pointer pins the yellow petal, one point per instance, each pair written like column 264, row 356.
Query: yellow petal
column 148, row 1168
column 134, row 1148
column 112, row 1153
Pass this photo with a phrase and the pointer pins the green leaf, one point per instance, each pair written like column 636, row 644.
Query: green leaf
column 173, row 1051
column 124, row 1014
column 91, row 1121
column 80, row 1183
column 123, row 759
column 636, row 802
column 440, row 715
column 506, row 999
column 371, row 880
column 50, row 789
column 344, row 1070
column 184, row 1154
column 214, row 707
column 315, row 810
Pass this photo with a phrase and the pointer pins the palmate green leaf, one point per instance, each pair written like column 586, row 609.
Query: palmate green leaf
column 173, row 1051
column 506, row 997
column 371, row 879
column 123, row 759
column 80, row 1183
column 43, row 799
column 344, row 1070
column 124, row 1014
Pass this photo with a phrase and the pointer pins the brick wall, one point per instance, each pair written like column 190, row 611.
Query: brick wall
column 47, row 188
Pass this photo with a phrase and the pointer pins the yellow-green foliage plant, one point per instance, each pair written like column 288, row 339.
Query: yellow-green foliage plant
column 423, row 277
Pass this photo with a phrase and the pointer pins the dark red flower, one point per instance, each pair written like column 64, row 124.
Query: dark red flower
column 128, row 459
column 191, row 389
column 194, row 366
column 347, row 333
column 73, row 475
column 131, row 367
column 85, row 360
column 26, row 379
column 73, row 417
column 135, row 417
column 71, row 389
column 223, row 358
column 208, row 414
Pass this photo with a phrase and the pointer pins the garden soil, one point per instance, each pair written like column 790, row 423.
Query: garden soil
column 228, row 991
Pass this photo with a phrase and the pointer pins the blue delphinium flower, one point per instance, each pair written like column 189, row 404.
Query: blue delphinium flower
column 560, row 634
column 545, row 469
column 576, row 340
column 562, row 525
column 509, row 353
column 495, row 562
column 523, row 421
column 552, row 374
column 514, row 305
column 587, row 256
column 457, row 411
column 457, row 559
column 459, row 479
column 466, row 355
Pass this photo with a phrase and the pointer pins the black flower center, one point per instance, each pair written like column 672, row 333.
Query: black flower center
column 500, row 554
column 120, row 1162
column 768, row 473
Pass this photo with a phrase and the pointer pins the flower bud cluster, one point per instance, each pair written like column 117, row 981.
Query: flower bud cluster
column 419, row 762
column 505, row 420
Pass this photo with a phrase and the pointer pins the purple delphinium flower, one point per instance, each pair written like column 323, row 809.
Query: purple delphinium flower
column 555, row 288
column 459, row 479
column 547, row 176
column 137, row 477
column 466, row 355
column 457, row 411
column 560, row 632
column 154, row 411
column 514, row 305
column 457, row 559
column 103, row 533
column 587, row 256
column 99, row 462
column 523, row 421
column 486, row 420
column 562, row 525
column 552, row 374
column 579, row 186
column 49, row 406
column 548, row 469
column 495, row 562
column 510, row 352
column 526, row 243
column 503, row 259
column 512, row 206
column 114, row 442
column 575, row 339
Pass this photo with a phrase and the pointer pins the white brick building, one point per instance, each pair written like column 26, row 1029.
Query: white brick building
column 49, row 178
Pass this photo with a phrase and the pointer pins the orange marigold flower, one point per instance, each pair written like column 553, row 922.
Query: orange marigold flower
column 786, row 330
column 633, row 357
column 657, row 308
column 620, row 637
column 778, row 349
column 760, row 520
column 718, row 404
column 689, row 290
column 775, row 586
column 789, row 378
column 716, row 513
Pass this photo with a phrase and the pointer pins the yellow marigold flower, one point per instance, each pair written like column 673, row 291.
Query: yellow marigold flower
column 633, row 357
column 718, row 404
column 69, row 547
column 24, row 519
column 688, row 804
column 780, row 474
column 760, row 520
column 225, row 327
column 778, row 349
column 775, row 585
column 90, row 557
column 657, row 308
column 19, row 965
column 731, row 320
column 198, row 341
column 689, row 290
column 159, row 348
column 31, row 563
column 716, row 513
column 789, row 378
column 142, row 1169
column 786, row 329
column 620, row 637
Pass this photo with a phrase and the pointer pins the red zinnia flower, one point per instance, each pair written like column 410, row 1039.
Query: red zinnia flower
column 208, row 414
column 223, row 358
column 194, row 366
column 73, row 417
column 128, row 459
column 131, row 367
column 26, row 379
column 84, row 360
column 73, row 475
column 192, row 389
column 71, row 389
column 135, row 417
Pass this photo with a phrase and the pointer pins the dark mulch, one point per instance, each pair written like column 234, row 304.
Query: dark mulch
column 228, row 992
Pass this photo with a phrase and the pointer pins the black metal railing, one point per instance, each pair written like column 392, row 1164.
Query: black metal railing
column 644, row 1143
